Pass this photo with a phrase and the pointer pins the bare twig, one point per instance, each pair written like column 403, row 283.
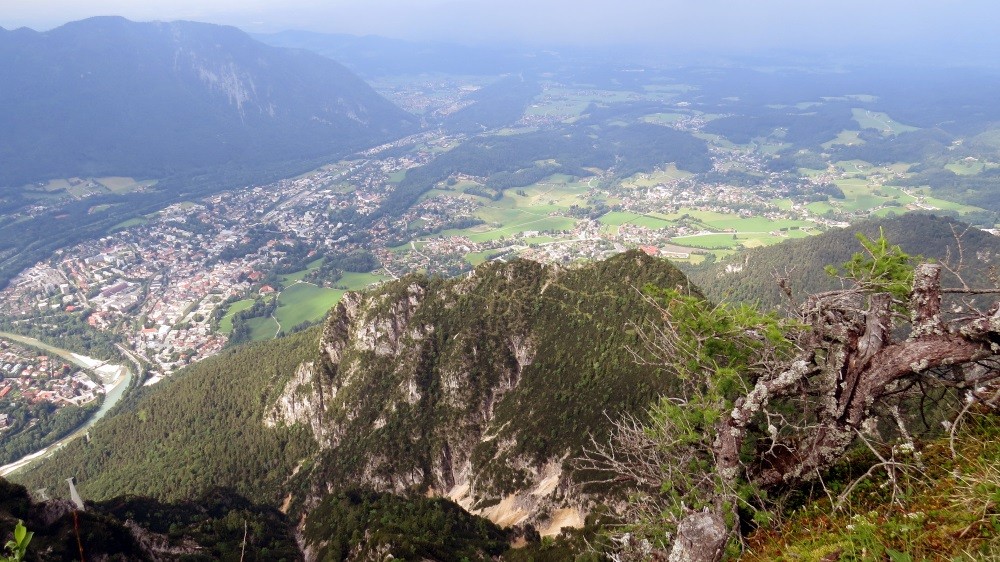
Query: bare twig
column 243, row 552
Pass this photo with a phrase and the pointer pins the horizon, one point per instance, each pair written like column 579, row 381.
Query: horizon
column 895, row 30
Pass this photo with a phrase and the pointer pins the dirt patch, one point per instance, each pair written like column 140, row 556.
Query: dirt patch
column 561, row 519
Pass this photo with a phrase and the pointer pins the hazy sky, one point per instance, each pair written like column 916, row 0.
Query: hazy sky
column 964, row 26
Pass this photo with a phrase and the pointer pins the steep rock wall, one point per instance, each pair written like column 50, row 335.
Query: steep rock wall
column 478, row 389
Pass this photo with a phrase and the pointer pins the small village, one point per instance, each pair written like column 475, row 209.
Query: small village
column 162, row 283
column 30, row 377
column 159, row 285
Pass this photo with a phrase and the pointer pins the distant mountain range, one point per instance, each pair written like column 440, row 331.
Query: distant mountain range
column 108, row 96
column 377, row 56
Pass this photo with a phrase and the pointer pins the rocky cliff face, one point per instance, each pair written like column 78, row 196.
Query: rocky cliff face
column 477, row 389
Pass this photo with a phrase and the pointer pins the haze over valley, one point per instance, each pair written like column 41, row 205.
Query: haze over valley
column 320, row 281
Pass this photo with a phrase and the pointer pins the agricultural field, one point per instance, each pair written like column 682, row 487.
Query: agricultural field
column 524, row 222
column 226, row 322
column 262, row 328
column 79, row 188
column 932, row 203
column 299, row 301
column 772, row 147
column 811, row 172
column 875, row 120
column 666, row 175
column 557, row 106
column 566, row 103
column 669, row 89
column 719, row 140
column 854, row 167
column 52, row 185
column 476, row 258
column 664, row 118
column 121, row 185
column 862, row 197
column 128, row 224
column 783, row 204
column 708, row 241
column 542, row 207
column 297, row 276
column 555, row 204
column 970, row 166
column 618, row 218
column 859, row 195
column 848, row 138
column 820, row 208
column 730, row 241
column 304, row 302
column 358, row 281
column 722, row 221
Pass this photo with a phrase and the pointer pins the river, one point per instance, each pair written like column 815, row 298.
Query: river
column 116, row 379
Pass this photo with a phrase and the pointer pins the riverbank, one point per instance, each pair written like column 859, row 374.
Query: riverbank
column 115, row 378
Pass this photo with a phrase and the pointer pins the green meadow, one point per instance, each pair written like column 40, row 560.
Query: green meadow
column 521, row 221
column 298, row 302
column 476, row 258
column 820, row 208
column 537, row 207
column 358, row 281
column 290, row 278
column 128, row 224
column 664, row 118
column 262, row 328
column 618, row 218
column 226, row 322
column 304, row 302
column 671, row 172
column 845, row 138
column 876, row 120
column 722, row 221
column 855, row 167
column 969, row 167
column 118, row 184
column 728, row 241
column 858, row 195
column 926, row 199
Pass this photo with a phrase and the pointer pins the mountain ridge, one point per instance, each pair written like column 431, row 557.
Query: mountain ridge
column 478, row 389
column 154, row 98
column 749, row 275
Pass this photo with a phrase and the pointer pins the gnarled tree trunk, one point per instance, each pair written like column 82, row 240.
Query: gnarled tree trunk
column 850, row 363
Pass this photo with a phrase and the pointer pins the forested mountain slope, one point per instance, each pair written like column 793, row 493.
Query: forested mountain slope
column 750, row 275
column 107, row 96
column 479, row 388
column 193, row 432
